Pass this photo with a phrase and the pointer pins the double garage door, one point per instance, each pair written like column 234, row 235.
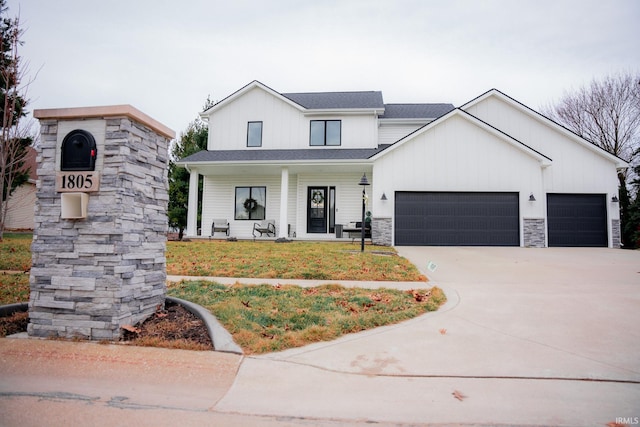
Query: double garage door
column 492, row 219
column 456, row 219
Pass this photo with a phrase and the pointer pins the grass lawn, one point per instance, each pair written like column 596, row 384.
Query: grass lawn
column 266, row 318
column 15, row 255
column 295, row 260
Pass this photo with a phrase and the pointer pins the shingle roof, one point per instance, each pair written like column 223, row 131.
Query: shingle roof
column 328, row 100
column 282, row 155
column 415, row 111
column 371, row 99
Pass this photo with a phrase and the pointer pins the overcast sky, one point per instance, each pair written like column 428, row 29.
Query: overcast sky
column 166, row 57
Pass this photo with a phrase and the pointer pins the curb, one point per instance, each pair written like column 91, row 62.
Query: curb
column 10, row 309
column 221, row 338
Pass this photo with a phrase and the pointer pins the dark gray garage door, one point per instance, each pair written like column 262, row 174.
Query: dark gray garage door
column 456, row 219
column 577, row 220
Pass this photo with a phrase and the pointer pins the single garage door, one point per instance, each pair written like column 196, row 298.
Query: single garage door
column 577, row 220
column 456, row 219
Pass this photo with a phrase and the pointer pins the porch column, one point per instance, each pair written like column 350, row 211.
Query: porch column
column 284, row 201
column 192, row 207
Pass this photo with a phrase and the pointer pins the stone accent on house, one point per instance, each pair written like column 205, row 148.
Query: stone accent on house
column 615, row 233
column 534, row 232
column 91, row 276
column 381, row 231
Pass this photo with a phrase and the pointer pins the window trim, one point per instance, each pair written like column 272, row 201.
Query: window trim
column 251, row 188
column 324, row 139
column 248, row 133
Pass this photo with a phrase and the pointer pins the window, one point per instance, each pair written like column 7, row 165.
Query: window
column 250, row 202
column 254, row 134
column 325, row 132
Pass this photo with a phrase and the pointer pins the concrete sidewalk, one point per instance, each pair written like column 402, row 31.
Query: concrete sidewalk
column 527, row 337
column 305, row 283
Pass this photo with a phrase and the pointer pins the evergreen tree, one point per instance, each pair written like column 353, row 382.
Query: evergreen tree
column 631, row 224
column 192, row 140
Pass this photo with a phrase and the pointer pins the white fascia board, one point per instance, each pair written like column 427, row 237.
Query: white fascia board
column 343, row 111
column 276, row 162
column 240, row 92
column 412, row 135
column 620, row 163
column 421, row 121
column 544, row 160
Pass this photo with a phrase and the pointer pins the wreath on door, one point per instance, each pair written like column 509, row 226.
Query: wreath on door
column 317, row 197
column 250, row 205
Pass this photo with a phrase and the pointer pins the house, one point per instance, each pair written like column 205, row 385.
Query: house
column 492, row 172
column 22, row 202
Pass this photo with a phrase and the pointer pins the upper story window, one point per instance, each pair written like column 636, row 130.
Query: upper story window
column 325, row 132
column 254, row 134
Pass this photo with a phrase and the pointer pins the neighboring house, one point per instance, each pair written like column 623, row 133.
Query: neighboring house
column 22, row 202
column 492, row 172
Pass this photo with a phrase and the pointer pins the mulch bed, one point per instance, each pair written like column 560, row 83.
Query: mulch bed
column 14, row 324
column 170, row 327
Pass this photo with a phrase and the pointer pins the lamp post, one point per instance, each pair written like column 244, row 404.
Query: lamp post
column 364, row 182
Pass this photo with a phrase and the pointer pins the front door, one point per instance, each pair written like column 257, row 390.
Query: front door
column 317, row 210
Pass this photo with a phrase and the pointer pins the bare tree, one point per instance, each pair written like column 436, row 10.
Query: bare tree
column 15, row 139
column 606, row 112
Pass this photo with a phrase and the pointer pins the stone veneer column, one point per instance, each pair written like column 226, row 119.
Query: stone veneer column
column 381, row 231
column 91, row 276
column 615, row 229
column 534, row 232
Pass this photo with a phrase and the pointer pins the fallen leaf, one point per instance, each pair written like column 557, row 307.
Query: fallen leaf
column 130, row 328
column 458, row 395
column 376, row 297
column 443, row 331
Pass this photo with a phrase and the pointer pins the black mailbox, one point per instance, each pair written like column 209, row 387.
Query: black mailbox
column 78, row 151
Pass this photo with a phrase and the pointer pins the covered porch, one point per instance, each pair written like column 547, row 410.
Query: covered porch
column 305, row 201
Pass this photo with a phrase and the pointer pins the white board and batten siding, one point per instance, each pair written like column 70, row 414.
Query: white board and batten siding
column 284, row 126
column 388, row 133
column 577, row 166
column 453, row 156
column 219, row 196
column 219, row 202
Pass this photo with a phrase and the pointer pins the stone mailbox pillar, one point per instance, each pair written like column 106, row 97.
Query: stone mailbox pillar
column 98, row 251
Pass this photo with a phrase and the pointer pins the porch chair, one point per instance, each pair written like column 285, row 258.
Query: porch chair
column 354, row 230
column 266, row 226
column 221, row 225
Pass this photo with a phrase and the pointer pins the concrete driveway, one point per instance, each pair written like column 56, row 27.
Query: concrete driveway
column 528, row 337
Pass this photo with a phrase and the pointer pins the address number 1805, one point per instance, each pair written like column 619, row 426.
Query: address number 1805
column 77, row 181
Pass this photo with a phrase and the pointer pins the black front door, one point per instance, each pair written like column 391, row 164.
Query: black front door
column 317, row 210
